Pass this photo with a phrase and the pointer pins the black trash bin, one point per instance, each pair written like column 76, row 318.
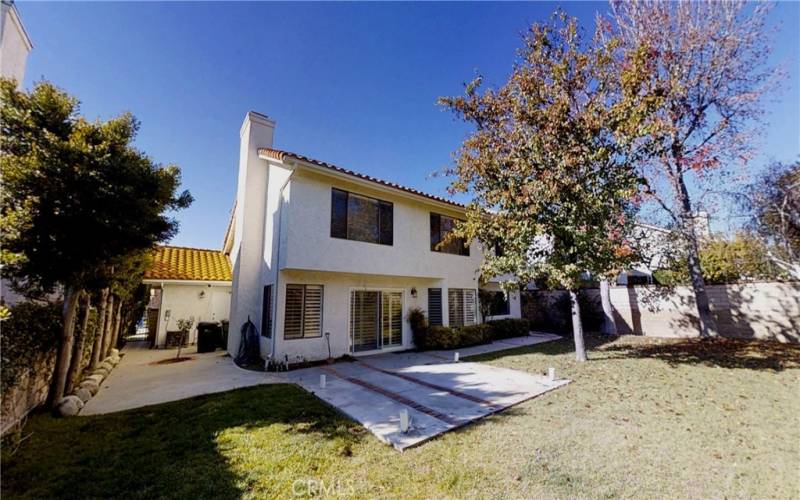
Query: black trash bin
column 209, row 336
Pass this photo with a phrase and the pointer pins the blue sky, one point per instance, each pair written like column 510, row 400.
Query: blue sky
column 352, row 84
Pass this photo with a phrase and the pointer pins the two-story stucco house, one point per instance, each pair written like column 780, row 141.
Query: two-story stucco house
column 328, row 262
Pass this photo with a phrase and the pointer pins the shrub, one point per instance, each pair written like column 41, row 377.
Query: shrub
column 419, row 325
column 507, row 328
column 445, row 337
column 475, row 335
column 31, row 331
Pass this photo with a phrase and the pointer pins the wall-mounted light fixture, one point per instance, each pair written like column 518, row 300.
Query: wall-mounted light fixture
column 414, row 292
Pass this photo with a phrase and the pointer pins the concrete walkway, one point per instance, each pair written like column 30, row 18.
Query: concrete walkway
column 137, row 381
column 439, row 394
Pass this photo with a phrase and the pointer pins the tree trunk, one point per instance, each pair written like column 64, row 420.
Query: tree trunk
column 109, row 327
column 609, row 323
column 65, row 346
column 117, row 325
column 708, row 325
column 577, row 327
column 98, row 331
column 80, row 339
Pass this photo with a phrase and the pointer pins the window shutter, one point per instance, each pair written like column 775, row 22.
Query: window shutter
column 339, row 214
column 303, row 317
column 386, row 223
column 293, row 321
column 435, row 306
column 470, row 310
column 312, row 311
column 455, row 306
column 266, row 312
column 436, row 236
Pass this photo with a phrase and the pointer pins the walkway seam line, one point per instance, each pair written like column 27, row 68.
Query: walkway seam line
column 397, row 397
column 454, row 392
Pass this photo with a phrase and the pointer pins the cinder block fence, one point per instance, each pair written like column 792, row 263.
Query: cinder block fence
column 752, row 310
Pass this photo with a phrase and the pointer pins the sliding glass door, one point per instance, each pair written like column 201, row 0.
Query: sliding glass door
column 376, row 319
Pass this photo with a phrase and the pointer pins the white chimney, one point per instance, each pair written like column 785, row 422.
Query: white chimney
column 249, row 218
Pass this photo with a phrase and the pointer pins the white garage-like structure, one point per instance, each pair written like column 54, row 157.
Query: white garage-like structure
column 186, row 283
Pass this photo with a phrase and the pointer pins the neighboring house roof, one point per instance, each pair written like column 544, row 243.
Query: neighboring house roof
column 279, row 155
column 190, row 264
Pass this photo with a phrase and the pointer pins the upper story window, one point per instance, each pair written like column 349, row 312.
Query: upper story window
column 441, row 226
column 361, row 218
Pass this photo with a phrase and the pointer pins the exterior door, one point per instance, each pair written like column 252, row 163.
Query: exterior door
column 392, row 318
column 376, row 319
column 364, row 322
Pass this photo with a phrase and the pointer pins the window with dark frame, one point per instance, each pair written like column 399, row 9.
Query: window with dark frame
column 498, row 304
column 361, row 218
column 441, row 226
column 266, row 312
column 303, row 312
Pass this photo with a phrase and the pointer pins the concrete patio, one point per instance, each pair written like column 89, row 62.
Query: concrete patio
column 139, row 381
column 439, row 394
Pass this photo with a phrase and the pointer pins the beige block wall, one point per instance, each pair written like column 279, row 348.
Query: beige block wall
column 753, row 310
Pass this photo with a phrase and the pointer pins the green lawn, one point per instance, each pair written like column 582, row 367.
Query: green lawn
column 642, row 418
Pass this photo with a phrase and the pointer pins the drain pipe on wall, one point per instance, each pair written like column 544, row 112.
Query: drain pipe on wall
column 274, row 335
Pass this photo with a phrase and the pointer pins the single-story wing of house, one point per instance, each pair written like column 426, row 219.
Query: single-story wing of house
column 186, row 283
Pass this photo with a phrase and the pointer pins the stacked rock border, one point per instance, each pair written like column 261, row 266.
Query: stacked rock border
column 72, row 404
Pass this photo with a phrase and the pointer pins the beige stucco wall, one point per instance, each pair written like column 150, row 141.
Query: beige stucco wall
column 336, row 309
column 310, row 246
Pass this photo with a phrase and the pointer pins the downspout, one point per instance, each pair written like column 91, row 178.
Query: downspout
column 274, row 335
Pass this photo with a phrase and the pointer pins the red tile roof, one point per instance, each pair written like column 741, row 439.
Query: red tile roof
column 194, row 264
column 281, row 155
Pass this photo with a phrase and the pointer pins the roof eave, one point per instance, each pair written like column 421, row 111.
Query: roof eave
column 289, row 159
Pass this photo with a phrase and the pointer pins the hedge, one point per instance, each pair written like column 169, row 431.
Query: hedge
column 31, row 331
column 445, row 337
column 509, row 327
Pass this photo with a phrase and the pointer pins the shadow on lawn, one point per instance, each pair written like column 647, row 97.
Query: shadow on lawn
column 725, row 353
column 178, row 450
column 564, row 345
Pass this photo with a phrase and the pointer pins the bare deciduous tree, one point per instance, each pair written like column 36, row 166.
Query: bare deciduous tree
column 709, row 66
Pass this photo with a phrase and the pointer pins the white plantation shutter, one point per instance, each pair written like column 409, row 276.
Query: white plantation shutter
column 462, row 306
column 293, row 319
column 470, row 313
column 303, row 314
column 455, row 306
column 364, row 306
column 312, row 311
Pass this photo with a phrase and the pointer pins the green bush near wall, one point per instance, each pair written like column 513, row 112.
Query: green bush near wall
column 31, row 331
column 444, row 337
column 508, row 328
